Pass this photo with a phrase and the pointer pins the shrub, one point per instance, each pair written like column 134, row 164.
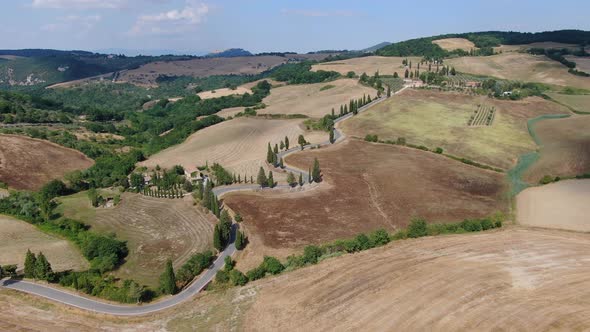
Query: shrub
column 222, row 277
column 498, row 224
column 471, row 225
column 256, row 273
column 546, row 179
column 417, row 228
column 272, row 265
column 401, row 141
column 237, row 278
column 380, row 237
column 438, row 150
column 311, row 254
column 371, row 138
column 363, row 242
column 486, row 224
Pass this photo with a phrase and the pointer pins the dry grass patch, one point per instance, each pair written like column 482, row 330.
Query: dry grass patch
column 451, row 44
column 524, row 47
column 520, row 66
column 28, row 163
column 580, row 103
column 17, row 236
column 239, row 145
column 369, row 64
column 561, row 205
column 565, row 149
column 367, row 186
column 155, row 230
column 311, row 100
column 582, row 63
column 223, row 92
column 439, row 119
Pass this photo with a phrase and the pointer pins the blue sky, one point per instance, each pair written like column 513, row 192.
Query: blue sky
column 266, row 25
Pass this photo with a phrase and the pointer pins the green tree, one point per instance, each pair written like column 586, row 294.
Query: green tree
column 291, row 179
column 281, row 164
column 237, row 278
column 30, row 260
column 225, row 223
column 168, row 279
column 417, row 228
column 388, row 91
column 214, row 204
column 311, row 254
column 93, row 197
column 217, row 241
column 282, row 146
column 261, row 178
column 42, row 267
column 271, row 181
column 276, row 149
column 136, row 180
column 332, row 139
column 286, row 143
column 269, row 154
column 272, row 265
column 301, row 141
column 240, row 240
column 316, row 173
column 300, row 179
column 407, row 74
column 395, row 75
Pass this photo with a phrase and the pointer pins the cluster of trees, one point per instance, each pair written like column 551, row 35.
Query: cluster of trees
column 354, row 104
column 37, row 267
column 300, row 73
column 106, row 286
column 559, row 56
column 97, row 200
column 204, row 194
column 419, row 228
column 230, row 275
column 222, row 231
column 22, row 108
column 163, row 193
column 372, row 81
column 272, row 154
column 265, row 181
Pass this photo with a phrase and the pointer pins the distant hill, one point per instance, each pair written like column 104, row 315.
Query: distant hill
column 375, row 47
column 43, row 52
column 148, row 52
column 229, row 53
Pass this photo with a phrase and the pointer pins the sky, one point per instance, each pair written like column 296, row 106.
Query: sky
column 201, row 26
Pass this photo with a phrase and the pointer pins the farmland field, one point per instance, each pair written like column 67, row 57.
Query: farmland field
column 523, row 47
column 27, row 163
column 368, row 186
column 522, row 67
column 223, row 92
column 314, row 100
column 239, row 145
column 369, row 64
column 451, row 44
column 17, row 236
column 580, row 103
column 561, row 205
column 582, row 63
column 439, row 119
column 565, row 148
column 155, row 230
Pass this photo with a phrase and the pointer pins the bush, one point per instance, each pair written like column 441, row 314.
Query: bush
column 272, row 265
column 380, row 237
column 222, row 277
column 438, row 150
column 256, row 273
column 363, row 242
column 417, row 228
column 237, row 278
column 471, row 225
column 371, row 138
column 546, row 179
column 486, row 224
column 311, row 254
column 401, row 141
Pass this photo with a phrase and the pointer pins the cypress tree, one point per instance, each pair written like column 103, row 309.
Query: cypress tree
column 341, row 110
column 261, row 178
column 269, row 154
column 214, row 204
column 251, row 179
column 388, row 91
column 30, row 260
column 42, row 267
column 332, row 140
column 239, row 178
column 206, row 196
column 286, row 143
column 282, row 146
column 368, row 99
column 316, row 173
column 271, row 181
column 300, row 179
column 309, row 175
column 345, row 109
column 407, row 74
column 291, row 179
column 364, row 99
column 276, row 149
column 240, row 240
column 395, row 75
column 168, row 279
column 281, row 164
column 333, row 112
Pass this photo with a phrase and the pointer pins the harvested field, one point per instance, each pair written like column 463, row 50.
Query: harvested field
column 223, row 92
column 524, row 47
column 531, row 280
column 17, row 236
column 28, row 163
column 311, row 100
column 438, row 119
column 369, row 64
column 239, row 145
column 232, row 111
column 565, row 148
column 520, row 66
column 582, row 63
column 561, row 205
column 146, row 75
column 451, row 44
column 580, row 103
column 368, row 186
column 155, row 230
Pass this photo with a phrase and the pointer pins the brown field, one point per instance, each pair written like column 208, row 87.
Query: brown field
column 524, row 47
column 223, row 92
column 17, row 236
column 561, row 205
column 232, row 111
column 565, row 149
column 146, row 75
column 580, row 103
column 439, row 119
column 582, row 63
column 451, row 44
column 369, row 64
column 310, row 100
column 155, row 230
column 368, row 186
column 239, row 145
column 513, row 279
column 520, row 66
column 27, row 163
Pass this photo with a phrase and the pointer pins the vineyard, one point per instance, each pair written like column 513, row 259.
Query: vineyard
column 394, row 83
column 463, row 80
column 483, row 116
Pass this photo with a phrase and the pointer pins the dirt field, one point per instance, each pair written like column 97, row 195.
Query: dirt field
column 146, row 75
column 580, row 103
column 368, row 186
column 311, row 100
column 524, row 47
column 528, row 280
column 565, row 148
column 232, row 111
column 369, row 64
column 520, row 66
column 582, row 63
column 155, row 230
column 16, row 236
column 223, row 92
column 239, row 145
column 27, row 163
column 561, row 205
column 451, row 44
column 440, row 119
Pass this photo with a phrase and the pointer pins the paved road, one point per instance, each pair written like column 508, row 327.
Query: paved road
column 195, row 287
column 122, row 310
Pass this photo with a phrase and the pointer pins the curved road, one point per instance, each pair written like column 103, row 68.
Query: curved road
column 196, row 286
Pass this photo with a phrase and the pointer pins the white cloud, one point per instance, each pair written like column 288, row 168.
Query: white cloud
column 79, row 4
column 173, row 21
column 317, row 13
column 80, row 24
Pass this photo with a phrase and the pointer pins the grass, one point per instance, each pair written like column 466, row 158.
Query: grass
column 577, row 102
column 327, row 87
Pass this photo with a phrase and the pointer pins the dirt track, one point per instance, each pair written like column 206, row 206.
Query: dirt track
column 27, row 163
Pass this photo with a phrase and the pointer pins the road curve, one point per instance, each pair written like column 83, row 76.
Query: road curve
column 196, row 286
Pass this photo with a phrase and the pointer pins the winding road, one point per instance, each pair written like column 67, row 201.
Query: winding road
column 197, row 285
